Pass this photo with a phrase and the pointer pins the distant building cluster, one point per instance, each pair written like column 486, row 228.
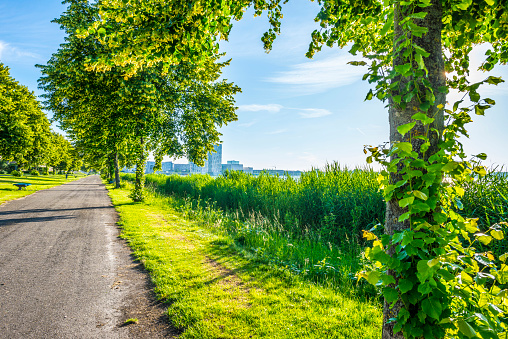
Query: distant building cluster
column 213, row 166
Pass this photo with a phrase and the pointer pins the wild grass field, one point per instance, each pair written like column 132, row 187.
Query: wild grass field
column 215, row 287
column 305, row 234
column 10, row 192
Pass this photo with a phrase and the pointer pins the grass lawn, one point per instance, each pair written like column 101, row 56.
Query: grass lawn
column 212, row 291
column 10, row 192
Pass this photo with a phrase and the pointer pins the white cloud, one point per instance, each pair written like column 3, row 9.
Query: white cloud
column 247, row 124
column 319, row 76
column 3, row 47
column 279, row 131
column 310, row 113
column 274, row 108
column 8, row 51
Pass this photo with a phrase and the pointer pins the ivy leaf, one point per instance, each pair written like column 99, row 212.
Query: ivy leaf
column 397, row 237
column 405, row 147
column 390, row 294
column 465, row 278
column 419, row 61
column 449, row 166
column 483, row 238
column 403, row 129
column 424, row 106
column 420, row 195
column 432, row 307
column 464, row 5
column 405, row 285
column 406, row 201
column 498, row 235
column 466, row 329
column 373, row 277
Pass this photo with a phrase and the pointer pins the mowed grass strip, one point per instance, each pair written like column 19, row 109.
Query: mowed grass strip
column 214, row 292
column 10, row 192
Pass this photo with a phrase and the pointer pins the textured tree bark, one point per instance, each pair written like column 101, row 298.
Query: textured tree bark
column 431, row 42
column 139, row 182
column 117, row 171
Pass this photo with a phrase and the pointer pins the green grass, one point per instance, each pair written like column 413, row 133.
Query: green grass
column 10, row 192
column 213, row 289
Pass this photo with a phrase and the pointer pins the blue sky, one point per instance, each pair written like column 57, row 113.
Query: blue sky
column 294, row 113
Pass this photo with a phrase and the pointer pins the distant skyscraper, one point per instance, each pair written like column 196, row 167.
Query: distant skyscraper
column 213, row 163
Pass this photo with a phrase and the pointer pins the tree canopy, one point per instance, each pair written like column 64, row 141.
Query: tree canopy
column 168, row 110
column 24, row 128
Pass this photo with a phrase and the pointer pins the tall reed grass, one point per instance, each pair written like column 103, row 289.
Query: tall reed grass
column 336, row 204
column 486, row 198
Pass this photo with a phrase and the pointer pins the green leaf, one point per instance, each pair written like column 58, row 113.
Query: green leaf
column 404, row 216
column 474, row 96
column 390, row 294
column 405, row 146
column 498, row 235
column 490, row 2
column 443, row 89
column 466, row 329
column 406, row 201
column 483, row 238
column 432, row 307
column 482, row 156
column 373, row 277
column 397, row 237
column 503, row 257
column 424, row 106
column 405, row 285
column 449, row 166
column 464, row 5
column 419, row 61
column 369, row 95
column 420, row 50
column 466, row 278
column 403, row 129
column 420, row 195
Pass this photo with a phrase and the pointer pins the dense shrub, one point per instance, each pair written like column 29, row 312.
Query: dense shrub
column 16, row 173
column 45, row 171
column 34, row 172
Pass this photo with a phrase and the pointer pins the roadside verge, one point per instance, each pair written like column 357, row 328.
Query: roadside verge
column 211, row 291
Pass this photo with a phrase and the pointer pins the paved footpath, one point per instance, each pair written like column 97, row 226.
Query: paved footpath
column 60, row 265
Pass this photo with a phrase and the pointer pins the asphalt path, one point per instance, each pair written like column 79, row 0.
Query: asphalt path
column 59, row 265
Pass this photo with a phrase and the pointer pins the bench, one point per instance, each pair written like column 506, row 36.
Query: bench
column 21, row 185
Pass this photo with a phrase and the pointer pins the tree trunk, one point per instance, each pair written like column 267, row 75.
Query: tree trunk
column 139, row 183
column 117, row 171
column 431, row 42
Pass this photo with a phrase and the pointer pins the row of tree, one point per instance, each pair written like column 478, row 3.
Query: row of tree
column 25, row 135
column 117, row 120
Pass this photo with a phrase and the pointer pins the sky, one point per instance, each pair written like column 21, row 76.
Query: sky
column 294, row 113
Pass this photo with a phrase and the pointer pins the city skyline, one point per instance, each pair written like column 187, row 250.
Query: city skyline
column 294, row 113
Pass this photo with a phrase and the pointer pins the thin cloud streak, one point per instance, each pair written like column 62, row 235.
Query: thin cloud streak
column 6, row 50
column 319, row 76
column 279, row 131
column 274, row 108
column 312, row 113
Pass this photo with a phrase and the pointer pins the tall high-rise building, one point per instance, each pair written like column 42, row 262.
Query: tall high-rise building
column 213, row 163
